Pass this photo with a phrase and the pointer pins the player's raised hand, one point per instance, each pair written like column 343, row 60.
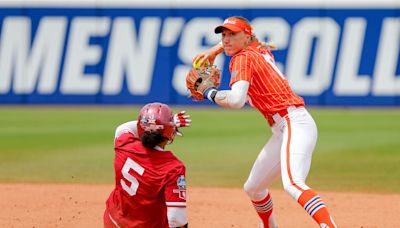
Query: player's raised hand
column 203, row 59
column 181, row 119
column 207, row 57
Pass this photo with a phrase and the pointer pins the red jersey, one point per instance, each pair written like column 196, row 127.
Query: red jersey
column 269, row 90
column 147, row 181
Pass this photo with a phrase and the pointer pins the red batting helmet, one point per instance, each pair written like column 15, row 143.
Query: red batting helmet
column 157, row 117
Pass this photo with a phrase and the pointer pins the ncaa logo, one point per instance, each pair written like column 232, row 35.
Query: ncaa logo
column 181, row 191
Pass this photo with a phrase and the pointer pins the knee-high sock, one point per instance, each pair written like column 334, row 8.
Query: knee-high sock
column 313, row 204
column 264, row 209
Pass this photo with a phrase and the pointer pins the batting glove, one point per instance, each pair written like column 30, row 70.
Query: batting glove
column 181, row 120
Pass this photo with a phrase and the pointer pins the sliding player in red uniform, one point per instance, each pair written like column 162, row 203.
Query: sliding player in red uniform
column 150, row 183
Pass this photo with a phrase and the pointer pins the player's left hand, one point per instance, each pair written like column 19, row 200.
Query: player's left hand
column 181, row 120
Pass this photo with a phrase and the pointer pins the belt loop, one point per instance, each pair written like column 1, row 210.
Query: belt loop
column 291, row 108
column 276, row 117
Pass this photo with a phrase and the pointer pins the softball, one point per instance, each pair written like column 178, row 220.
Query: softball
column 197, row 65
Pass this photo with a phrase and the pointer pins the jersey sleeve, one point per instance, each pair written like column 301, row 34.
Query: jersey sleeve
column 125, row 136
column 125, row 128
column 240, row 68
column 175, row 189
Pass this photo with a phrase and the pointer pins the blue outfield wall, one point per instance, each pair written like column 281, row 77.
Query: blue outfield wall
column 130, row 55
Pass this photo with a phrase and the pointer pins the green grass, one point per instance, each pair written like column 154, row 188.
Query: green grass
column 357, row 149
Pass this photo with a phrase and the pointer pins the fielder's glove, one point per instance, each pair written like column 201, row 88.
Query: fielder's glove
column 200, row 79
column 181, row 120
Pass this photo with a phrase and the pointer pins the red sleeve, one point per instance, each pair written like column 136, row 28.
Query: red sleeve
column 240, row 68
column 175, row 189
column 125, row 140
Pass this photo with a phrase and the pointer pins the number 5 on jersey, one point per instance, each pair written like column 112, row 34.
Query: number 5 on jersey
column 131, row 164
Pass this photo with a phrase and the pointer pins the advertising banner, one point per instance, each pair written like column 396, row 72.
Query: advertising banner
column 138, row 53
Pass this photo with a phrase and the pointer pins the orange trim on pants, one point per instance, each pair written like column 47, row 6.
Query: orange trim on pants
column 288, row 154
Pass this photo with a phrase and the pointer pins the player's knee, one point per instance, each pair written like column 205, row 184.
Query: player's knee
column 288, row 187
column 292, row 190
column 255, row 192
column 293, row 187
column 249, row 189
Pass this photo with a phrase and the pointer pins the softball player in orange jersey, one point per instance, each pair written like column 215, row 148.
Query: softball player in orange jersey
column 256, row 79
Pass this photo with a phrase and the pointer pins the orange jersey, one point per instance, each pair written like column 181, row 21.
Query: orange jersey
column 269, row 90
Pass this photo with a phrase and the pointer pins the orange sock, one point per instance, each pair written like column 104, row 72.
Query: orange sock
column 264, row 209
column 313, row 204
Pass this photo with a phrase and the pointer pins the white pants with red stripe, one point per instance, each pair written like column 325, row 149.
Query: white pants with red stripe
column 287, row 153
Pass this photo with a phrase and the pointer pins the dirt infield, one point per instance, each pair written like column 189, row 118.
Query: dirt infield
column 62, row 205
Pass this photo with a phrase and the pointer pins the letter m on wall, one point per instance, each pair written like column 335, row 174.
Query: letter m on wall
column 27, row 62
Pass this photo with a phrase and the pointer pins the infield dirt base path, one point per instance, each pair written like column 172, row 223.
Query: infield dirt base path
column 63, row 205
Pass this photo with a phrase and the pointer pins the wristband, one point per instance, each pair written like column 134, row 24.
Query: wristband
column 210, row 94
column 213, row 93
column 208, row 91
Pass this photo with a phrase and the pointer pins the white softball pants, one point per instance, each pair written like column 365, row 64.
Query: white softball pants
column 287, row 153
